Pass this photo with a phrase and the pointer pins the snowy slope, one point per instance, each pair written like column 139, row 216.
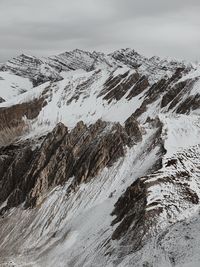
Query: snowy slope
column 12, row 85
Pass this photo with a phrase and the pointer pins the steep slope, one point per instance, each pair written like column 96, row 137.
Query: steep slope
column 88, row 207
column 12, row 85
column 99, row 160
column 36, row 70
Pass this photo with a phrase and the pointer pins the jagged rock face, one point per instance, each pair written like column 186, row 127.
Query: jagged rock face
column 31, row 67
column 117, row 87
column 156, row 201
column 130, row 209
column 1, row 100
column 72, row 60
column 148, row 66
column 141, row 85
column 132, row 128
column 15, row 162
column 129, row 57
column 12, row 119
column 81, row 153
column 78, row 59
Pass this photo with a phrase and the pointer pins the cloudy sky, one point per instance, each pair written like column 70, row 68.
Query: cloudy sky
column 152, row 27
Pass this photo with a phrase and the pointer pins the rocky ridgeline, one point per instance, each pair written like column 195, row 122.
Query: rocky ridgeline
column 79, row 59
column 141, row 212
column 40, row 70
column 13, row 119
column 27, row 174
column 37, row 70
column 154, row 68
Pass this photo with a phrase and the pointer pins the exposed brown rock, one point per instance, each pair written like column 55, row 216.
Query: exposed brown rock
column 163, row 86
column 138, row 219
column 117, row 87
column 151, row 96
column 190, row 103
column 139, row 87
column 12, row 122
column 81, row 153
column 172, row 93
column 129, row 209
column 15, row 162
column 132, row 128
column 183, row 88
column 32, row 68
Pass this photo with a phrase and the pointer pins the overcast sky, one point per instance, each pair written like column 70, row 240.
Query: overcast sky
column 152, row 27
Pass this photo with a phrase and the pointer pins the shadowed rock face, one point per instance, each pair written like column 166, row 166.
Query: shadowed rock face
column 36, row 70
column 1, row 100
column 138, row 218
column 117, row 87
column 12, row 122
column 139, row 87
column 132, row 128
column 156, row 200
column 136, row 222
column 191, row 103
column 26, row 175
column 171, row 94
column 15, row 161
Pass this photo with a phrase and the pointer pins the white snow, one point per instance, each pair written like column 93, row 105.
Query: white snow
column 180, row 132
column 12, row 85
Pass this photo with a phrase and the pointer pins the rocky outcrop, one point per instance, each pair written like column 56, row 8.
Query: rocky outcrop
column 117, row 86
column 129, row 57
column 169, row 88
column 1, row 100
column 173, row 98
column 171, row 94
column 12, row 119
column 73, row 60
column 156, row 201
column 189, row 104
column 152, row 95
column 35, row 69
column 131, row 215
column 141, row 85
column 15, row 162
column 132, row 128
column 82, row 153
column 134, row 221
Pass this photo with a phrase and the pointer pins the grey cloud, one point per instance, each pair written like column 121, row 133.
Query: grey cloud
column 152, row 7
column 166, row 28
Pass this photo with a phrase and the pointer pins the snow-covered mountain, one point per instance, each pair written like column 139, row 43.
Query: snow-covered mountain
column 99, row 160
